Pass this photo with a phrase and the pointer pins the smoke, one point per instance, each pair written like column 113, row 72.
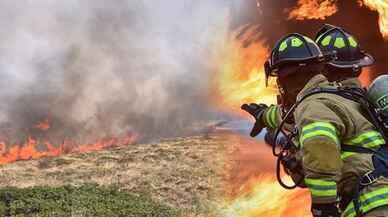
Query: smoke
column 96, row 68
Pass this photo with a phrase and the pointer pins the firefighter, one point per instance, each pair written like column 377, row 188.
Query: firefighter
column 324, row 122
column 350, row 59
column 345, row 70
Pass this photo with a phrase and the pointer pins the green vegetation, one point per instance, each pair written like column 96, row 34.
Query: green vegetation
column 85, row 201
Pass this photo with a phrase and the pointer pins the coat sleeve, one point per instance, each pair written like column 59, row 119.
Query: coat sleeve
column 319, row 131
column 272, row 117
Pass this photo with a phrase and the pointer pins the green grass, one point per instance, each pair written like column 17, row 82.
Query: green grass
column 85, row 201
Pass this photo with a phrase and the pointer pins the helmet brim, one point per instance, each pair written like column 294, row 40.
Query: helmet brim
column 367, row 60
column 296, row 61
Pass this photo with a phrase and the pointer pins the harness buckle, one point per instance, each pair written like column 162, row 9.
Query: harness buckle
column 368, row 179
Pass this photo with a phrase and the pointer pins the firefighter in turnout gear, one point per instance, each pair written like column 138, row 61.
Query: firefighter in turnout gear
column 337, row 179
column 350, row 59
column 345, row 70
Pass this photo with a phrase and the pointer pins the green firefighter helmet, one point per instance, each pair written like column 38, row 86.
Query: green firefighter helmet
column 293, row 49
column 346, row 47
column 378, row 92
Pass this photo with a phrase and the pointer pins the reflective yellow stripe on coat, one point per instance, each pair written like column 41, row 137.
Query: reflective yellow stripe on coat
column 368, row 201
column 317, row 129
column 370, row 139
column 321, row 187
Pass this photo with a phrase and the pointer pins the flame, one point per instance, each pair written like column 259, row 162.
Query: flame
column 252, row 190
column 44, row 125
column 366, row 77
column 264, row 197
column 320, row 9
column 381, row 6
column 313, row 9
column 30, row 149
column 240, row 78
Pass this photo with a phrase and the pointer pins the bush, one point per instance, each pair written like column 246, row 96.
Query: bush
column 85, row 201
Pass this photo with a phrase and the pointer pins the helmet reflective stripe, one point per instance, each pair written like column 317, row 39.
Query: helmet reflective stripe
column 292, row 49
column 339, row 42
column 326, row 40
column 296, row 42
column 352, row 42
column 283, row 46
column 326, row 27
column 349, row 55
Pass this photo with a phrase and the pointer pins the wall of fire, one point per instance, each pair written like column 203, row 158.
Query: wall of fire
column 361, row 18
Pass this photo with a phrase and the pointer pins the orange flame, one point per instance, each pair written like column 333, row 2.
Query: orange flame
column 240, row 77
column 313, row 9
column 44, row 125
column 320, row 9
column 366, row 77
column 251, row 188
column 264, row 197
column 381, row 6
column 30, row 149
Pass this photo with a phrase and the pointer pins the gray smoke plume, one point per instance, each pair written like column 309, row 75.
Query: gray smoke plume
column 99, row 68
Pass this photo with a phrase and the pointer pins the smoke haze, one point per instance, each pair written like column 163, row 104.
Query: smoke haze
column 96, row 68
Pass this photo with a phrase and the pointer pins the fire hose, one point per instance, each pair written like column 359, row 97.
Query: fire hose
column 286, row 157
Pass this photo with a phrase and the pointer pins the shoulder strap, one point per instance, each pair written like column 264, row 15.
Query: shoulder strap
column 353, row 94
column 381, row 155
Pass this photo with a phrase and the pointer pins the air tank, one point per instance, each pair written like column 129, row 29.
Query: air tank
column 378, row 92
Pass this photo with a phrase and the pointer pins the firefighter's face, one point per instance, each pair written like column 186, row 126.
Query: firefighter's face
column 287, row 79
column 290, row 81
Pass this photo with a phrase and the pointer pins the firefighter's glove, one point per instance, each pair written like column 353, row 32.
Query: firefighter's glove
column 257, row 111
column 325, row 210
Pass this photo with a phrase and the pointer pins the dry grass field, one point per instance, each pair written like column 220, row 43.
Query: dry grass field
column 184, row 173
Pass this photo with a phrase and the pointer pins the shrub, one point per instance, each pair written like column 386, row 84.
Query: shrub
column 84, row 201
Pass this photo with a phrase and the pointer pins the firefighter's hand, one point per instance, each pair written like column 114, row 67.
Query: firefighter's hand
column 256, row 110
column 325, row 210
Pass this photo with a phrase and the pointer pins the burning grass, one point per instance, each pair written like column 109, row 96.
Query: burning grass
column 30, row 149
column 217, row 175
column 182, row 172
